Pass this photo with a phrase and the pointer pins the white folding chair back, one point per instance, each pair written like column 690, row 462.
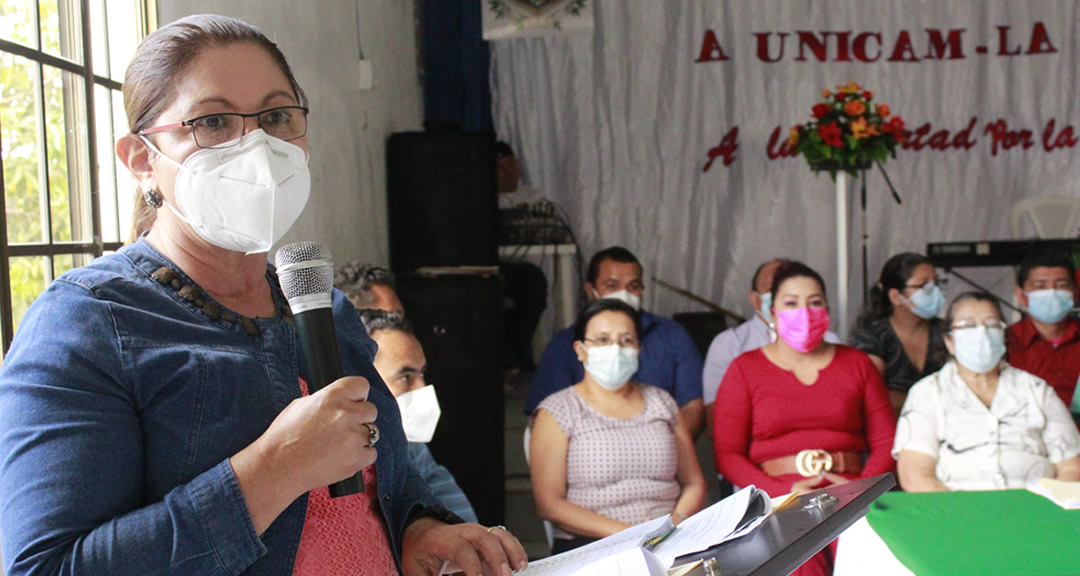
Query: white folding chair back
column 549, row 530
column 1050, row 216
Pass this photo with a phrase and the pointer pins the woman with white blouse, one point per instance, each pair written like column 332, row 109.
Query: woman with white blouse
column 978, row 423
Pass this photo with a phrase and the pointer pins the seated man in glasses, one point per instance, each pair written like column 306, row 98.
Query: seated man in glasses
column 1046, row 342
column 979, row 423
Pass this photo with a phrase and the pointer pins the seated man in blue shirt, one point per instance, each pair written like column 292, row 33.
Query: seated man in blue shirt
column 400, row 362
column 668, row 359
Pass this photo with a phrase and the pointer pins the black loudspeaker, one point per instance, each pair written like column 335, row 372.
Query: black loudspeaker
column 458, row 320
column 441, row 199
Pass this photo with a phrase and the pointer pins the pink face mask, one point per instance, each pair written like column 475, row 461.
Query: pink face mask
column 803, row 328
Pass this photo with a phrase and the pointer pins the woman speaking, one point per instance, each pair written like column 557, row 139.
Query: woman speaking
column 152, row 416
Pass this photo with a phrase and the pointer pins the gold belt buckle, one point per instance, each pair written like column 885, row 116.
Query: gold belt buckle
column 813, row 462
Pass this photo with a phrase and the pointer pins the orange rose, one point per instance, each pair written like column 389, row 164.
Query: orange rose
column 883, row 110
column 855, row 108
column 825, row 93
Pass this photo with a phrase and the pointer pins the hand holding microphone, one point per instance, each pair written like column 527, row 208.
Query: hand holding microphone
column 306, row 273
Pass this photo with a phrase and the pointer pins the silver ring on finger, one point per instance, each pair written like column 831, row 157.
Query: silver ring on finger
column 373, row 434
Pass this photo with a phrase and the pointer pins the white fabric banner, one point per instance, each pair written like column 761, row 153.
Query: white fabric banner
column 512, row 19
column 618, row 129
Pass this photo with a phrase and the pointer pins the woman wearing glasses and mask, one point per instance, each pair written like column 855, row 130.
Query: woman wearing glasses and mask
column 800, row 413
column 900, row 329
column 608, row 452
column 153, row 419
column 978, row 423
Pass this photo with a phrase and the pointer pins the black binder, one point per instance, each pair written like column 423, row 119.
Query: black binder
column 795, row 532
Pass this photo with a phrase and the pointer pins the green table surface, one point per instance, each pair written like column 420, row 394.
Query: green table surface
column 958, row 533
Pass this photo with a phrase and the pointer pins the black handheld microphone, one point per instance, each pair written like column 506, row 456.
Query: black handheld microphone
column 306, row 273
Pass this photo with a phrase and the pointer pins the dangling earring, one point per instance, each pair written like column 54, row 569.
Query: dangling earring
column 772, row 332
column 153, row 198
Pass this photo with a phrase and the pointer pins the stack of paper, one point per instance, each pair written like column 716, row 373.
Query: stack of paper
column 1064, row 494
column 622, row 554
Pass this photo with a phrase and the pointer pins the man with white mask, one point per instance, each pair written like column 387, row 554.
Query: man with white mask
column 668, row 360
column 401, row 363
column 1046, row 342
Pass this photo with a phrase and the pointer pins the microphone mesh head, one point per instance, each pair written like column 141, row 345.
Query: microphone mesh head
column 308, row 269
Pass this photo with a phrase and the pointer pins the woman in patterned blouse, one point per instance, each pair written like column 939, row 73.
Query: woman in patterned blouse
column 978, row 423
column 608, row 452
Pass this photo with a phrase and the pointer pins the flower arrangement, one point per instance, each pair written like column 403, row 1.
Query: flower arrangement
column 848, row 131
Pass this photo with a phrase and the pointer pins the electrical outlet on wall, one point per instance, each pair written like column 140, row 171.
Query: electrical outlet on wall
column 367, row 75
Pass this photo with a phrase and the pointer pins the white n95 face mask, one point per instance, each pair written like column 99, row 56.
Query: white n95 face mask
column 245, row 197
column 632, row 300
column 611, row 366
column 419, row 414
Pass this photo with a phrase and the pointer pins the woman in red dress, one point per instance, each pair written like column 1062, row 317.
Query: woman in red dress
column 800, row 413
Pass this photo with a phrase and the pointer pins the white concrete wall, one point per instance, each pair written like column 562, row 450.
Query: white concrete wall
column 348, row 127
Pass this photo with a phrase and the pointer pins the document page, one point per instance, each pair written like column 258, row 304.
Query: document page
column 709, row 527
column 569, row 562
column 713, row 525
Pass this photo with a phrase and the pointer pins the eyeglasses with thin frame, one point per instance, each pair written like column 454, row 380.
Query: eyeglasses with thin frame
column 969, row 324
column 623, row 342
column 225, row 129
column 940, row 282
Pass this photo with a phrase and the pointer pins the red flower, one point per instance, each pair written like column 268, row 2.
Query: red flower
column 894, row 127
column 830, row 134
column 867, row 95
column 820, row 110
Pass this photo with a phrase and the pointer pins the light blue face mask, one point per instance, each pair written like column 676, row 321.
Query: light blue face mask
column 928, row 301
column 1049, row 306
column 766, row 304
column 979, row 349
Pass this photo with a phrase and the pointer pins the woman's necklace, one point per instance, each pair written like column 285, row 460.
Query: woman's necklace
column 192, row 293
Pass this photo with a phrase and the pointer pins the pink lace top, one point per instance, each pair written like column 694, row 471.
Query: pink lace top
column 344, row 535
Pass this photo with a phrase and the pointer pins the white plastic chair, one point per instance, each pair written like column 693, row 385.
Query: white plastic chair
column 1050, row 216
column 549, row 530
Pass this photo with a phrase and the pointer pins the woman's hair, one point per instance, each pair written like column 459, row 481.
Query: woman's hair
column 969, row 296
column 163, row 57
column 895, row 274
column 605, row 305
column 794, row 269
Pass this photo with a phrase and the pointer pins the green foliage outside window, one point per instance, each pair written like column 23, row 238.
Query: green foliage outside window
column 24, row 173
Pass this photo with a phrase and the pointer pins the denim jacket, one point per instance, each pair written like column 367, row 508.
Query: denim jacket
column 120, row 406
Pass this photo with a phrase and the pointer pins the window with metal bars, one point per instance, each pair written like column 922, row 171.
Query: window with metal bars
column 65, row 198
